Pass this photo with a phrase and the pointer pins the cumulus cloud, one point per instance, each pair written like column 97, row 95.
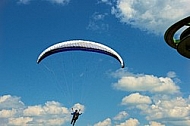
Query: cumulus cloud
column 14, row 112
column 150, row 83
column 154, row 16
column 175, row 109
column 153, row 123
column 161, row 103
column 160, row 110
column 130, row 122
column 49, row 108
column 8, row 102
column 121, row 115
column 106, row 122
column 19, row 121
column 163, row 110
column 136, row 98
column 8, row 113
column 78, row 106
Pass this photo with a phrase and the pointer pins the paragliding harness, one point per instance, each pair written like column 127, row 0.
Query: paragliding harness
column 75, row 116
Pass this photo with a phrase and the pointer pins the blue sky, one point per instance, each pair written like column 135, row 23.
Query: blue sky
column 152, row 89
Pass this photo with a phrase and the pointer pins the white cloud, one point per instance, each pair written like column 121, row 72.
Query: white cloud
column 154, row 16
column 160, row 110
column 105, row 1
column 49, row 108
column 7, row 113
column 121, row 115
column 129, row 122
column 167, row 111
column 106, row 122
column 97, row 23
column 8, row 101
column 63, row 2
column 79, row 107
column 121, row 73
column 175, row 109
column 55, row 108
column 153, row 123
column 148, row 83
column 36, row 110
column 161, row 102
column 14, row 112
column 20, row 121
column 171, row 74
column 135, row 99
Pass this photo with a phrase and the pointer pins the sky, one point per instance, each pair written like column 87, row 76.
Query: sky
column 152, row 90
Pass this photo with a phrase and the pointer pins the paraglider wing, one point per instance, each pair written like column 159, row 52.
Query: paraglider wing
column 169, row 34
column 184, row 47
column 80, row 45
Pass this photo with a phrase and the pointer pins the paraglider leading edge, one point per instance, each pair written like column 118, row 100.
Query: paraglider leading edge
column 80, row 45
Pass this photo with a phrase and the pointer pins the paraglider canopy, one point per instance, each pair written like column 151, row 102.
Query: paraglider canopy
column 184, row 47
column 183, row 44
column 80, row 45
